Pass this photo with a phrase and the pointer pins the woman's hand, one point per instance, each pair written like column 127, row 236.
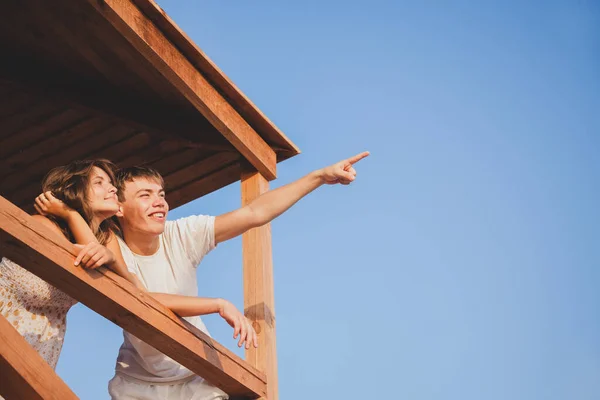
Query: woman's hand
column 241, row 325
column 94, row 255
column 46, row 204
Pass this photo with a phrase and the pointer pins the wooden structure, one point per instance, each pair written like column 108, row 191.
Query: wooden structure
column 118, row 79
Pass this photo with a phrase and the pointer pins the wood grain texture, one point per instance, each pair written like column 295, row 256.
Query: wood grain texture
column 207, row 184
column 36, row 169
column 259, row 301
column 21, row 128
column 51, row 86
column 181, row 177
column 24, row 374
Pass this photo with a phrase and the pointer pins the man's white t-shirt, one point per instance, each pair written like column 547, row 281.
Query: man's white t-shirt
column 172, row 269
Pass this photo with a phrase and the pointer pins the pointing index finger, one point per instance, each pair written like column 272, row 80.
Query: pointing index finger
column 358, row 157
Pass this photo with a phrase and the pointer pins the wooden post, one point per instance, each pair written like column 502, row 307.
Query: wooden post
column 24, row 374
column 259, row 302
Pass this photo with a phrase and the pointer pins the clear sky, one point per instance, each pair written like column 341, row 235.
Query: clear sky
column 464, row 262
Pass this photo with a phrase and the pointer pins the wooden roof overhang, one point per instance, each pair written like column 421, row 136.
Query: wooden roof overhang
column 118, row 79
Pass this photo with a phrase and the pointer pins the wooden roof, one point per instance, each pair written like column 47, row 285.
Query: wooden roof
column 118, row 79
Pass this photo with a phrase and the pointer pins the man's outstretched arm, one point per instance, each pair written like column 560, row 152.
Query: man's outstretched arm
column 271, row 204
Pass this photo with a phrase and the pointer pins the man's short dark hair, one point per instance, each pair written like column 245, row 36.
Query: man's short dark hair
column 130, row 173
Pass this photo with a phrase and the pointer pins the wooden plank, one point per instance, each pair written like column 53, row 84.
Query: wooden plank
column 34, row 115
column 267, row 129
column 51, row 144
column 136, row 144
column 49, row 256
column 35, row 171
column 157, row 150
column 24, row 374
column 152, row 44
column 198, row 170
column 174, row 162
column 143, row 114
column 32, row 130
column 259, row 300
column 203, row 186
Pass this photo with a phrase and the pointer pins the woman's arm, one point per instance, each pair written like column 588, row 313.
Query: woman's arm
column 92, row 254
column 46, row 204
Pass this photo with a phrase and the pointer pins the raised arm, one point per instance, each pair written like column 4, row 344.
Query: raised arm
column 270, row 205
column 47, row 204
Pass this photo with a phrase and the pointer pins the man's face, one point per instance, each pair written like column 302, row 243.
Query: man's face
column 145, row 208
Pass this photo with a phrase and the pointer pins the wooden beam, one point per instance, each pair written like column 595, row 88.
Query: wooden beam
column 55, row 142
column 217, row 78
column 52, row 86
column 19, row 141
column 259, row 301
column 24, row 374
column 36, row 115
column 39, row 167
column 151, row 43
column 198, row 170
column 49, row 256
column 205, row 185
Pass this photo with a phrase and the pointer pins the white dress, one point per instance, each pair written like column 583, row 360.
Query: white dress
column 36, row 309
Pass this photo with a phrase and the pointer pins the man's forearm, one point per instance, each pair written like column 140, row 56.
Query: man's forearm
column 187, row 306
column 273, row 203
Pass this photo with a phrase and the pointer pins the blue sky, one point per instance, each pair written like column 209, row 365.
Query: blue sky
column 464, row 262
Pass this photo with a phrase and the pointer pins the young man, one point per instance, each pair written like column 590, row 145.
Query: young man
column 164, row 255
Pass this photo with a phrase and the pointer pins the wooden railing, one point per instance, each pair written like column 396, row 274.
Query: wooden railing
column 24, row 374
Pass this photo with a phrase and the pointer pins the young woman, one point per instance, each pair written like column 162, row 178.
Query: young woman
column 34, row 307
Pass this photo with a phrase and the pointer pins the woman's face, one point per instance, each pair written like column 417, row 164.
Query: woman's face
column 102, row 195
